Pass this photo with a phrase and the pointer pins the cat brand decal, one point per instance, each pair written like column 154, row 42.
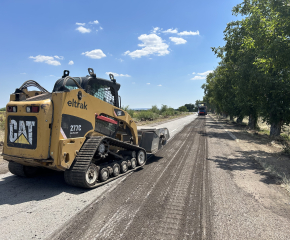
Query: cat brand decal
column 22, row 132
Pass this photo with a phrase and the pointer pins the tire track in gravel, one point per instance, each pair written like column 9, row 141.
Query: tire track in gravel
column 166, row 200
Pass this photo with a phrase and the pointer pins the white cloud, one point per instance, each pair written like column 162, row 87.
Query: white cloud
column 148, row 83
column 46, row 59
column 159, row 85
column 201, row 75
column 188, row 33
column 155, row 30
column 178, row 40
column 51, row 75
column 152, row 44
column 22, row 73
column 120, row 59
column 80, row 24
column 59, row 57
column 83, row 29
column 133, row 82
column 101, row 28
column 71, row 62
column 206, row 73
column 198, row 78
column 171, row 30
column 118, row 75
column 95, row 54
column 94, row 22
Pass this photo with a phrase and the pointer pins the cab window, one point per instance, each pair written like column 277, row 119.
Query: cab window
column 102, row 92
column 70, row 84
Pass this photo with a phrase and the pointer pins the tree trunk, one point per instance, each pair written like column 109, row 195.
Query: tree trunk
column 275, row 129
column 252, row 121
column 240, row 119
column 231, row 117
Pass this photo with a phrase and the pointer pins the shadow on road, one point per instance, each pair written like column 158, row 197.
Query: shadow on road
column 244, row 162
column 15, row 190
column 211, row 124
column 44, row 186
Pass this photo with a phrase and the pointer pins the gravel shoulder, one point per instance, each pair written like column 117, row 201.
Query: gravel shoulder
column 248, row 202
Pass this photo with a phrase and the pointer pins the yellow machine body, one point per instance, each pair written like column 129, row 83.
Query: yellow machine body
column 50, row 147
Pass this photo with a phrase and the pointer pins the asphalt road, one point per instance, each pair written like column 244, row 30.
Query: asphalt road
column 200, row 185
column 168, row 199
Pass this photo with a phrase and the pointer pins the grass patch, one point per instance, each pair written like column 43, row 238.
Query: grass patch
column 2, row 125
column 278, row 168
column 162, row 119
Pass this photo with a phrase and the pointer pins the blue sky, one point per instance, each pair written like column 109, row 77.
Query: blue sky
column 160, row 51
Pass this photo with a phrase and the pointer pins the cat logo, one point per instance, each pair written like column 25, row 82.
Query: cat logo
column 22, row 132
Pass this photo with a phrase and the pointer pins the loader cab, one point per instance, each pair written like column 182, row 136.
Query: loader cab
column 105, row 90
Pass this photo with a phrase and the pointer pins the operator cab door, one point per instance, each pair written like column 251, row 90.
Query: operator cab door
column 105, row 91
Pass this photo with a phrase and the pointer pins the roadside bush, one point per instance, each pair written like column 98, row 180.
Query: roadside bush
column 131, row 112
column 163, row 109
column 146, row 115
column 155, row 109
column 169, row 112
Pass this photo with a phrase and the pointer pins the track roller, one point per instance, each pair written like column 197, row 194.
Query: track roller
column 92, row 174
column 124, row 166
column 116, row 169
column 104, row 174
column 141, row 158
column 133, row 163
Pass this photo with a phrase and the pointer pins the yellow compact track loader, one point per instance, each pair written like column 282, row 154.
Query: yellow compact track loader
column 78, row 128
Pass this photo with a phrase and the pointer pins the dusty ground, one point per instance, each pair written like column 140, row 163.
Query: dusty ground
column 3, row 163
column 268, row 152
column 247, row 201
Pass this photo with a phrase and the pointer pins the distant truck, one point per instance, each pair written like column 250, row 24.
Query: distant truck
column 202, row 109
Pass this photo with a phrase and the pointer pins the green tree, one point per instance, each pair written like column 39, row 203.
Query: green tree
column 190, row 107
column 183, row 109
column 267, row 24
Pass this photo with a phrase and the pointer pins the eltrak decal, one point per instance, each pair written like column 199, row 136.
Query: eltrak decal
column 76, row 104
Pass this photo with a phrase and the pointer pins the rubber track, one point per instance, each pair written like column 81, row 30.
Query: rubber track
column 75, row 176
